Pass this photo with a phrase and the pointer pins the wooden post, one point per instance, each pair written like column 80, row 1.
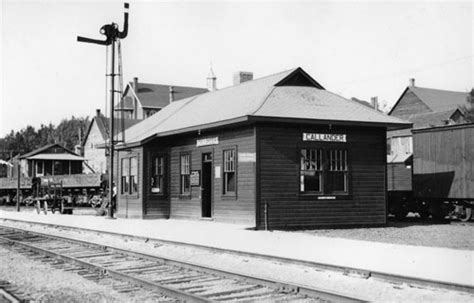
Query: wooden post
column 18, row 190
column 111, row 134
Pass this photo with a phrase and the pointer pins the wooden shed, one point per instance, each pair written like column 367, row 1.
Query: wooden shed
column 276, row 152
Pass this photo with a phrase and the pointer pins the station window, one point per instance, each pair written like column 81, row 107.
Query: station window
column 324, row 171
column 229, row 171
column 158, row 175
column 125, row 175
column 185, row 163
column 129, row 173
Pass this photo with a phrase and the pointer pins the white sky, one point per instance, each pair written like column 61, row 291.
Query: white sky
column 361, row 49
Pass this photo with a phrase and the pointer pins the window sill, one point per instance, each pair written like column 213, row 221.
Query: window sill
column 326, row 196
column 132, row 196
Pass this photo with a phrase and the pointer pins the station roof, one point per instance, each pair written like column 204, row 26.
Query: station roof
column 291, row 95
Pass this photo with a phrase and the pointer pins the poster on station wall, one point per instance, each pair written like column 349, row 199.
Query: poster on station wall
column 195, row 178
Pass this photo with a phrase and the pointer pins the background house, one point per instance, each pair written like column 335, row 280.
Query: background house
column 141, row 100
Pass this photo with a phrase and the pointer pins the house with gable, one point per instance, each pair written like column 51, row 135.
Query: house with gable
column 141, row 100
column 424, row 107
column 275, row 152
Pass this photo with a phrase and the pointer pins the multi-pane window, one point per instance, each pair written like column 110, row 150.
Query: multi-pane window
column 185, row 173
column 324, row 171
column 229, row 171
column 337, row 172
column 157, row 174
column 133, row 175
column 125, row 175
column 311, row 170
column 129, row 175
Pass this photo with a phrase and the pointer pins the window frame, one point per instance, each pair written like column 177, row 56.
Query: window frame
column 225, row 192
column 163, row 174
column 325, row 189
column 183, row 193
column 128, row 176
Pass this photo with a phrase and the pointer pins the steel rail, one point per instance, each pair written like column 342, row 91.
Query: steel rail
column 316, row 293
column 389, row 277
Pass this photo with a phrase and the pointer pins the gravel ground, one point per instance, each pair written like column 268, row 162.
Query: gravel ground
column 369, row 289
column 44, row 283
column 411, row 231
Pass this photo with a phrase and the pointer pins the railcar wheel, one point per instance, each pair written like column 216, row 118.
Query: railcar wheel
column 466, row 214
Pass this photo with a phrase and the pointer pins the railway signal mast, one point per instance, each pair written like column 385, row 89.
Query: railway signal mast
column 112, row 34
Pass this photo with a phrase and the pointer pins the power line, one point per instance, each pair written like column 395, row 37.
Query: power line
column 413, row 70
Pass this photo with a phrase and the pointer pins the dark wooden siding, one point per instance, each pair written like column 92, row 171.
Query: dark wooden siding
column 444, row 162
column 279, row 178
column 410, row 104
column 130, row 206
column 399, row 177
column 235, row 209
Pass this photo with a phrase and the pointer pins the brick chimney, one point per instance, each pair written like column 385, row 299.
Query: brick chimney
column 135, row 84
column 171, row 94
column 241, row 77
column 412, row 82
column 374, row 102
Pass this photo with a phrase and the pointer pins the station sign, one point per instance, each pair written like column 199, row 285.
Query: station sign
column 207, row 141
column 324, row 137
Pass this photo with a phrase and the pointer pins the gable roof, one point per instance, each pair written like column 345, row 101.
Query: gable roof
column 103, row 125
column 45, row 148
column 158, row 95
column 278, row 96
column 436, row 99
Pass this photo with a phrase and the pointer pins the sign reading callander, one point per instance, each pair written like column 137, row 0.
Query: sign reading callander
column 324, row 137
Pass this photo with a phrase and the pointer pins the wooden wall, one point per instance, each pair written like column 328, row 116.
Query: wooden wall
column 444, row 162
column 279, row 147
column 399, row 176
column 235, row 209
column 410, row 104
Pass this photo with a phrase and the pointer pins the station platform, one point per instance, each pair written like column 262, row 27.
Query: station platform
column 444, row 265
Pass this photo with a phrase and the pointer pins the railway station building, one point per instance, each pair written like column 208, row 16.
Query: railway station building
column 276, row 152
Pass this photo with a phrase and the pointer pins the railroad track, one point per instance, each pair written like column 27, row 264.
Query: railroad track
column 171, row 278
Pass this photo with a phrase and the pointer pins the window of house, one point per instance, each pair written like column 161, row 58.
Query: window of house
column 337, row 172
column 311, row 180
column 185, row 173
column 157, row 175
column 229, row 171
column 133, row 175
column 324, row 171
column 39, row 167
column 125, row 175
column 129, row 175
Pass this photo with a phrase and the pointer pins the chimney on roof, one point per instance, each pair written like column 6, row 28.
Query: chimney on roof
column 241, row 77
column 211, row 81
column 171, row 94
column 412, row 82
column 97, row 112
column 374, row 102
column 135, row 84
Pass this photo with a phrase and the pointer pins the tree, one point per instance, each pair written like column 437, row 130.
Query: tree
column 469, row 108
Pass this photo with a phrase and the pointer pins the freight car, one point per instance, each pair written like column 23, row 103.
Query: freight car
column 438, row 179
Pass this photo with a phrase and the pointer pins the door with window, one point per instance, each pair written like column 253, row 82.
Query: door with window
column 206, row 186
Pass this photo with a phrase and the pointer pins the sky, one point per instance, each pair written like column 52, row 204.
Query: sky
column 356, row 49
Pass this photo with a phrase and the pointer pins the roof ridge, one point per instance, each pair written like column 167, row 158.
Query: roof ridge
column 145, row 83
column 258, row 79
column 437, row 89
column 270, row 91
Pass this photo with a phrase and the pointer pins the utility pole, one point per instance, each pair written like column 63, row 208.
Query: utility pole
column 112, row 33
